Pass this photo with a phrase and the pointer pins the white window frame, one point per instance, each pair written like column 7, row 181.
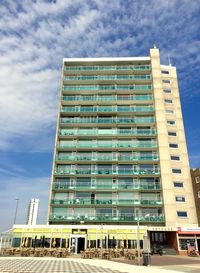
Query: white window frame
column 197, row 179
column 180, row 196
column 172, row 132
column 169, row 113
column 176, row 186
column 184, row 217
column 175, row 159
column 174, row 147
column 175, row 172
column 168, row 122
column 167, row 102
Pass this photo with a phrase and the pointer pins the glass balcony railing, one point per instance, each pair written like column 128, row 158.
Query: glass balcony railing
column 125, row 217
column 104, row 68
column 107, row 145
column 108, row 98
column 71, row 109
column 107, row 158
column 103, row 186
column 107, row 77
column 127, row 171
column 133, row 132
column 107, row 87
column 112, row 120
column 89, row 201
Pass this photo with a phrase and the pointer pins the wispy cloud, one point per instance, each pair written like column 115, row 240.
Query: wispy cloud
column 36, row 35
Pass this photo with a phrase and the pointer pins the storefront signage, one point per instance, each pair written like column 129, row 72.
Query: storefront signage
column 162, row 229
column 188, row 230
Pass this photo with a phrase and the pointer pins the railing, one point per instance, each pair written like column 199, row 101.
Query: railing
column 107, row 87
column 108, row 98
column 138, row 186
column 114, row 120
column 107, row 145
column 125, row 217
column 107, row 77
column 135, row 132
column 106, row 158
column 89, row 201
column 109, row 171
column 94, row 109
column 104, row 68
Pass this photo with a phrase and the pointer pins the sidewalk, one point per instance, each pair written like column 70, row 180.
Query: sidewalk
column 72, row 265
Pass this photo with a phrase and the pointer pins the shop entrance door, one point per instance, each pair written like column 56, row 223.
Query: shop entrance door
column 77, row 243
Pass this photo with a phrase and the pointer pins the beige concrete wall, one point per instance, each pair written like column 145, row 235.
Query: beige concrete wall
column 169, row 192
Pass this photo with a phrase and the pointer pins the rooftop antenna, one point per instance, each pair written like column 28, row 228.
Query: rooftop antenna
column 169, row 60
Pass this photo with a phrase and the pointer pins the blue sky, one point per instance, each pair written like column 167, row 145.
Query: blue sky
column 36, row 35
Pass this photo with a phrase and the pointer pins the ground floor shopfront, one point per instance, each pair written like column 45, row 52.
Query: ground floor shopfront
column 79, row 237
column 188, row 238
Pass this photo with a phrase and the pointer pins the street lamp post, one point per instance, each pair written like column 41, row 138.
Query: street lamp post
column 138, row 237
column 101, row 241
column 16, row 208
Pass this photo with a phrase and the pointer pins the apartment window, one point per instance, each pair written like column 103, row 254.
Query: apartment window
column 180, row 198
column 175, row 157
column 176, row 171
column 173, row 145
column 165, row 72
column 168, row 101
column 171, row 122
column 168, row 111
column 166, row 81
column 172, row 134
column 182, row 214
column 168, row 91
column 198, row 194
column 197, row 179
column 178, row 184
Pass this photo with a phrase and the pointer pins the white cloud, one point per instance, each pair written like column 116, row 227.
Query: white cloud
column 38, row 34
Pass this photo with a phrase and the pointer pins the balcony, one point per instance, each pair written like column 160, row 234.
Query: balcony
column 136, row 120
column 108, row 68
column 108, row 88
column 79, row 157
column 113, row 132
column 125, row 217
column 107, row 202
column 108, row 98
column 61, row 186
column 108, row 171
column 113, row 109
column 106, row 145
column 108, row 78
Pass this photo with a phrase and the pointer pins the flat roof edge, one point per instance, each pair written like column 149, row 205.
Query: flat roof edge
column 167, row 66
column 106, row 59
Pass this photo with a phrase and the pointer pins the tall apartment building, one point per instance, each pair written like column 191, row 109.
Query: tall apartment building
column 32, row 213
column 120, row 152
